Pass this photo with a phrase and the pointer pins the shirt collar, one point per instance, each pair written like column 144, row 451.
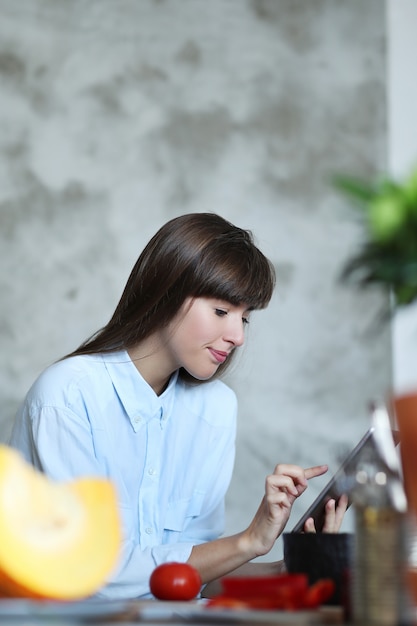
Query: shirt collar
column 139, row 400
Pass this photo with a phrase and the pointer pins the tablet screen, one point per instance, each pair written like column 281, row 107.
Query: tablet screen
column 337, row 484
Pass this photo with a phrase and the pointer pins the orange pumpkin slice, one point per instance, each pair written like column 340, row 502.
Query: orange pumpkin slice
column 57, row 540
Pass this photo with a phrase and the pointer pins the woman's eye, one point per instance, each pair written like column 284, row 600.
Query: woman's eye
column 220, row 312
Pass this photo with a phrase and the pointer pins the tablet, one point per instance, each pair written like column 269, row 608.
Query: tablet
column 338, row 484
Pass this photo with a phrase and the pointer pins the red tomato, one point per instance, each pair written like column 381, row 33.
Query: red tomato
column 175, row 581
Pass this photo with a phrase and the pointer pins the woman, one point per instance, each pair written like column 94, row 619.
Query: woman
column 129, row 404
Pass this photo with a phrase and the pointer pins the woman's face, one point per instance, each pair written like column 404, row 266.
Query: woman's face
column 203, row 334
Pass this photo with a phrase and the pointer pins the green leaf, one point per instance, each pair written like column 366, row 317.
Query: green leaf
column 359, row 190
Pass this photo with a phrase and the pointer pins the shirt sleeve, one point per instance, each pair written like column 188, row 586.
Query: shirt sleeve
column 56, row 441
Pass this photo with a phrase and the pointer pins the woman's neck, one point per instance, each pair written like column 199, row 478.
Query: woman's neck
column 152, row 363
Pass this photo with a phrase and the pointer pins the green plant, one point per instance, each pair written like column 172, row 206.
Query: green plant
column 388, row 256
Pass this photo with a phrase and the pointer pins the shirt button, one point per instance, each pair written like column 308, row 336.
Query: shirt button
column 149, row 531
column 163, row 415
column 137, row 420
column 151, row 471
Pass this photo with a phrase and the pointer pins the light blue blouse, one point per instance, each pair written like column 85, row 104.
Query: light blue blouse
column 169, row 456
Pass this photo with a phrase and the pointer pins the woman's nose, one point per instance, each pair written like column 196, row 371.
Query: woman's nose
column 236, row 333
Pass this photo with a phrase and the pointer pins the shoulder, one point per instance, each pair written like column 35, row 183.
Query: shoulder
column 75, row 368
column 58, row 382
column 214, row 401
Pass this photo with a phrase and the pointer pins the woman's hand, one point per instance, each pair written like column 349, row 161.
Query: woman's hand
column 334, row 514
column 282, row 488
column 233, row 554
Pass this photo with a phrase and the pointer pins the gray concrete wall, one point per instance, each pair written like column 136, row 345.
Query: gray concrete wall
column 117, row 115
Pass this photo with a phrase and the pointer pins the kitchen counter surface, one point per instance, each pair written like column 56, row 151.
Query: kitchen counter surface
column 153, row 613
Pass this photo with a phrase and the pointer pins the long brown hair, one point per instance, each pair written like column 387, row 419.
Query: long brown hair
column 195, row 255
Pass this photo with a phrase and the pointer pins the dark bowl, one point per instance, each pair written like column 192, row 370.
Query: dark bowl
column 321, row 555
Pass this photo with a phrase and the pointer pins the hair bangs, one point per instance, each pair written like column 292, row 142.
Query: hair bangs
column 238, row 278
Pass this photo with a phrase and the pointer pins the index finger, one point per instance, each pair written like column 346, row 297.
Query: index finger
column 317, row 470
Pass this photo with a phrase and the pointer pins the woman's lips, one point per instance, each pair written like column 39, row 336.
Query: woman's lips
column 219, row 355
